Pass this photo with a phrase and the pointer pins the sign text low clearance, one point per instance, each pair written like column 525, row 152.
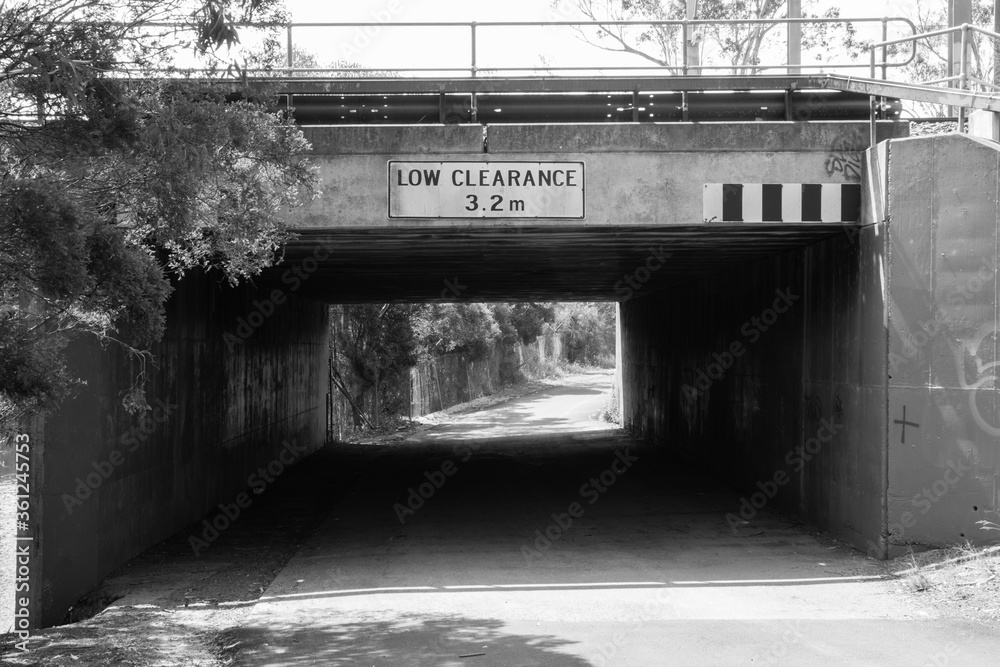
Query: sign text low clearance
column 486, row 190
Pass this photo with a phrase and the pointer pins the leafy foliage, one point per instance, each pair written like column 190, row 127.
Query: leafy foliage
column 374, row 346
column 467, row 328
column 109, row 186
column 588, row 332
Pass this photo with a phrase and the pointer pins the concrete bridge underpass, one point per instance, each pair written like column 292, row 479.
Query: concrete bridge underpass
column 807, row 318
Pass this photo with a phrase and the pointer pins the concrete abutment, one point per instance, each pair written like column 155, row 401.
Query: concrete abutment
column 850, row 381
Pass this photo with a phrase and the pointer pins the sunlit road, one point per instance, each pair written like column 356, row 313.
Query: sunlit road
column 529, row 534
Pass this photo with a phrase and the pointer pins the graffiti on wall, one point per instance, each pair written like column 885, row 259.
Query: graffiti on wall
column 844, row 157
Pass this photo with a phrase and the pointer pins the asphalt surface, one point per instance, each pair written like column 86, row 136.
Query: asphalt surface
column 530, row 534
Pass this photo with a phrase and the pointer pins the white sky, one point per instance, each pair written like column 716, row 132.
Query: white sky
column 393, row 48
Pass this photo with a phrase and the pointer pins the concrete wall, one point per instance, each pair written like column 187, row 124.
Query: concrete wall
column 636, row 173
column 893, row 340
column 224, row 398
column 771, row 375
column 943, row 321
column 451, row 379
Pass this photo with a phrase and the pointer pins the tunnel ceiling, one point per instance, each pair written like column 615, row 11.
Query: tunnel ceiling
column 536, row 263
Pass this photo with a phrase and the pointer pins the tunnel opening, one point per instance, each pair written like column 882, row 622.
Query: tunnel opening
column 393, row 363
column 266, row 349
column 243, row 378
column 731, row 355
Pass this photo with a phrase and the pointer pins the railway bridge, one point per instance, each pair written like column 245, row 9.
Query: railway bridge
column 807, row 298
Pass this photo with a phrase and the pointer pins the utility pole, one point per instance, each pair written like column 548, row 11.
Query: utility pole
column 795, row 37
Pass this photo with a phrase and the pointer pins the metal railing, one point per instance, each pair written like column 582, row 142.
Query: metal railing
column 964, row 80
column 964, row 89
column 685, row 30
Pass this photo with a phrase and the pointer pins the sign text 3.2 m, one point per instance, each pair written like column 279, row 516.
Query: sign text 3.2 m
column 421, row 189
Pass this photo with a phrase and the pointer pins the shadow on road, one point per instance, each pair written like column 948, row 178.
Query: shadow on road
column 444, row 640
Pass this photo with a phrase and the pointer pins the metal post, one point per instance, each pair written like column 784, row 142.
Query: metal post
column 290, row 62
column 996, row 42
column 963, row 73
column 872, row 127
column 959, row 13
column 876, row 102
column 794, row 37
column 684, row 53
column 885, row 51
column 473, row 26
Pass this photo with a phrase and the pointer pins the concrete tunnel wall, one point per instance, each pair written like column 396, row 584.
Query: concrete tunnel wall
column 943, row 316
column 232, row 397
column 896, row 322
column 737, row 372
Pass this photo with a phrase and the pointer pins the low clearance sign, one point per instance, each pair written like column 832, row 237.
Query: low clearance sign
column 486, row 190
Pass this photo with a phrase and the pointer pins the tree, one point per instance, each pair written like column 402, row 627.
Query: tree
column 110, row 186
column 523, row 321
column 737, row 47
column 375, row 344
column 588, row 332
column 375, row 347
column 464, row 328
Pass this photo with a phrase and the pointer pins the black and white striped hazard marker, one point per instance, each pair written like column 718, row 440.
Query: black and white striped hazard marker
column 782, row 202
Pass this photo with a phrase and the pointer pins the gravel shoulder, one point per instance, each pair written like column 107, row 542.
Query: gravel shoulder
column 959, row 582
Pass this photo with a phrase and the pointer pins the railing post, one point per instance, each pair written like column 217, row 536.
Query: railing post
column 996, row 44
column 473, row 26
column 963, row 73
column 684, row 44
column 473, row 102
column 885, row 49
column 871, row 98
column 959, row 13
column 290, row 55
column 872, row 127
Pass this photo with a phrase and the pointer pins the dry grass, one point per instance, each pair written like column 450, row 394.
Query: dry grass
column 961, row 581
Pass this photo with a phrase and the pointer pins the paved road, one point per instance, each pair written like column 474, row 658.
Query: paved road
column 528, row 534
